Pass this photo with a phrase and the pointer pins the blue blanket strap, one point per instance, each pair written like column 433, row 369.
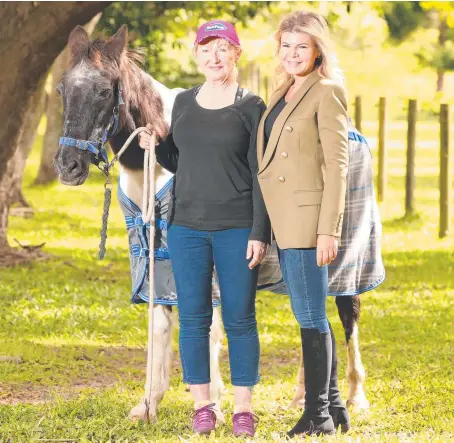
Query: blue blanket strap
column 137, row 251
column 160, row 253
column 356, row 137
column 132, row 222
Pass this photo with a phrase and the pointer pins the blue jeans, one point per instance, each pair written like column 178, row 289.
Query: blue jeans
column 193, row 254
column 308, row 285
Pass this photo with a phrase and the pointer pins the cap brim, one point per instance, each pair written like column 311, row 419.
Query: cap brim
column 233, row 42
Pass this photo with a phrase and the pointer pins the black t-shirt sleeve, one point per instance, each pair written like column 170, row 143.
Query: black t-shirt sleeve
column 261, row 227
column 167, row 152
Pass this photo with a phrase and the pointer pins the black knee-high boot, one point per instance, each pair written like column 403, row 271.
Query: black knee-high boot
column 316, row 419
column 337, row 409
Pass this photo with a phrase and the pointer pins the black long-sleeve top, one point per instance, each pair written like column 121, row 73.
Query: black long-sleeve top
column 214, row 157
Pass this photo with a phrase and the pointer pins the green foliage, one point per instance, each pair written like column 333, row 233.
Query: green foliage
column 403, row 18
column 159, row 27
column 445, row 10
column 437, row 57
column 430, row 108
column 360, row 28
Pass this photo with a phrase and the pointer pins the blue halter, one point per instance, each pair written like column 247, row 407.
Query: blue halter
column 97, row 148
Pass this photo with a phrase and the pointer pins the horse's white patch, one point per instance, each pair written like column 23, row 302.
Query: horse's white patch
column 355, row 374
column 83, row 72
column 131, row 182
column 167, row 96
column 299, row 397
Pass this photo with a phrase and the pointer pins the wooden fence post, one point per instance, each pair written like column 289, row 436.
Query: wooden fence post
column 358, row 113
column 250, row 77
column 410, row 172
column 445, row 173
column 382, row 178
column 241, row 79
column 256, row 80
column 266, row 91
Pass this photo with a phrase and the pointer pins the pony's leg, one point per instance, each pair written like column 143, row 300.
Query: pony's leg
column 162, row 340
column 349, row 309
column 298, row 398
column 216, row 385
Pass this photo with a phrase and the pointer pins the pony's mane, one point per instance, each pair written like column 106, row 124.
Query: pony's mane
column 143, row 103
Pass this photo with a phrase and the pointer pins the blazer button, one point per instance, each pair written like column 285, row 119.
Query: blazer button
column 284, row 155
column 282, row 179
column 288, row 128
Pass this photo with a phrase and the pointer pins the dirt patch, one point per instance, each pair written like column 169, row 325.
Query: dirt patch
column 118, row 365
column 11, row 257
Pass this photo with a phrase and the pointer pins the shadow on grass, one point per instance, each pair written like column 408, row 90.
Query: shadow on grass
column 411, row 221
column 61, row 221
column 419, row 269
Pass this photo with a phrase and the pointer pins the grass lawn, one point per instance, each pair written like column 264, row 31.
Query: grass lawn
column 82, row 344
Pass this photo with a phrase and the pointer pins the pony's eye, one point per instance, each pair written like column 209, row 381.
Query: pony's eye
column 59, row 88
column 105, row 93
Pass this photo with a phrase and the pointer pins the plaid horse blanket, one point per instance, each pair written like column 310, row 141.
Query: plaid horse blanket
column 139, row 250
column 358, row 267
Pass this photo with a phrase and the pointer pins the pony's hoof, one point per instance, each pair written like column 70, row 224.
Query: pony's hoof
column 142, row 413
column 358, row 404
column 297, row 403
column 220, row 417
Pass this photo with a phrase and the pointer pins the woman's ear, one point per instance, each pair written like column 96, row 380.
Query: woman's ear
column 238, row 52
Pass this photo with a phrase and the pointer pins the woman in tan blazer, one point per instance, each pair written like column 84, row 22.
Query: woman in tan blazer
column 303, row 158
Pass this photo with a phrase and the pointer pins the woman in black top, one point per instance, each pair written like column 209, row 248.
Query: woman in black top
column 218, row 219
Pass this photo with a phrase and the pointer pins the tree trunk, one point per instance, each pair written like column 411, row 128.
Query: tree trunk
column 6, row 197
column 440, row 80
column 54, row 113
column 27, row 138
column 441, row 42
column 32, row 34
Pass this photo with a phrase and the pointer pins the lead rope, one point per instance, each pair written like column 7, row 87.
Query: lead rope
column 142, row 410
column 105, row 217
column 147, row 197
column 148, row 215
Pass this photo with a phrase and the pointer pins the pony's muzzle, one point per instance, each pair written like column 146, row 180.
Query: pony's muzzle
column 71, row 167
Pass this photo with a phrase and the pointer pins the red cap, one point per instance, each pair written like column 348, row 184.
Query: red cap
column 217, row 28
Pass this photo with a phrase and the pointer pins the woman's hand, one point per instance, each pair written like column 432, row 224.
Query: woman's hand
column 145, row 139
column 257, row 251
column 326, row 249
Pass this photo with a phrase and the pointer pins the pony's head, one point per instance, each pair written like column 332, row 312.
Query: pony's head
column 103, row 91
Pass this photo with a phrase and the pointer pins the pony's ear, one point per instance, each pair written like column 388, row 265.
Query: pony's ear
column 78, row 41
column 117, row 43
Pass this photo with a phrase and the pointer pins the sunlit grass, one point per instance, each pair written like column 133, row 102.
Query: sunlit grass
column 82, row 343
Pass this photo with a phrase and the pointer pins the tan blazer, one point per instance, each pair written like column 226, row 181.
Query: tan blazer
column 302, row 172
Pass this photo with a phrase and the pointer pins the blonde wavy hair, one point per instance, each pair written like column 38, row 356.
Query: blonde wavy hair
column 314, row 25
